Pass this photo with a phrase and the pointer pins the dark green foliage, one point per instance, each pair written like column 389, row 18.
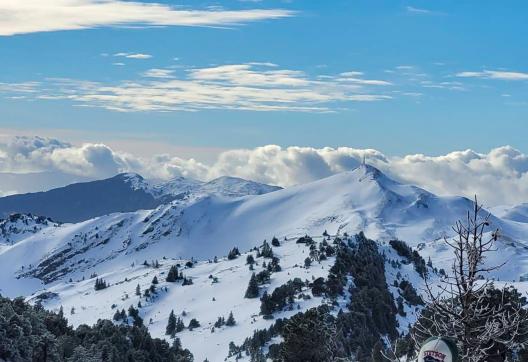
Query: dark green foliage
column 230, row 320
column 100, row 284
column 120, row 316
column 138, row 290
column 266, row 250
column 193, row 324
column 263, row 277
column 32, row 334
column 250, row 259
column 155, row 280
column 408, row 292
column 305, row 240
column 253, row 345
column 134, row 314
column 171, row 324
column 173, row 275
column 281, row 296
column 274, row 266
column 187, row 281
column 219, row 322
column 275, row 242
column 179, row 325
column 318, row 287
column 311, row 337
column 252, row 289
column 233, row 254
column 307, row 262
column 371, row 311
column 412, row 256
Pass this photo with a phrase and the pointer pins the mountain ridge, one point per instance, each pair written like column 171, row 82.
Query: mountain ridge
column 124, row 192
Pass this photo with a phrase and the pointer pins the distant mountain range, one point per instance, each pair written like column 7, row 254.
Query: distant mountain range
column 183, row 220
column 122, row 193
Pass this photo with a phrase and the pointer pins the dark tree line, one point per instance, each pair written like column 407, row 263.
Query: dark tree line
column 30, row 333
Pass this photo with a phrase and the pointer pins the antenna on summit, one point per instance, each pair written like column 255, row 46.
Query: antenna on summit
column 364, row 160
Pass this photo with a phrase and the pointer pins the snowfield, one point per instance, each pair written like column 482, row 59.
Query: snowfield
column 59, row 262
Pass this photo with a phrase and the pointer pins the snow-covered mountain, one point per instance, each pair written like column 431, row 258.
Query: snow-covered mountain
column 518, row 213
column 122, row 193
column 60, row 261
column 207, row 226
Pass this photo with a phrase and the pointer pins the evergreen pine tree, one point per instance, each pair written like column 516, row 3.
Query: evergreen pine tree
column 193, row 324
column 179, row 325
column 172, row 275
column 155, row 280
column 233, row 254
column 267, row 251
column 171, row 325
column 230, row 320
column 138, row 290
column 252, row 289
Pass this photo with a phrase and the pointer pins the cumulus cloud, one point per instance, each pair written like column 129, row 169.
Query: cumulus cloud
column 37, row 154
column 494, row 74
column 498, row 177
column 22, row 17
column 251, row 86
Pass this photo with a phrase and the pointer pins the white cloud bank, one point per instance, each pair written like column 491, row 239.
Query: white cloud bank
column 30, row 16
column 498, row 177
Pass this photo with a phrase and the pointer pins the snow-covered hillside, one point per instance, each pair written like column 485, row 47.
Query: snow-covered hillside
column 218, row 288
column 60, row 261
column 518, row 213
column 360, row 200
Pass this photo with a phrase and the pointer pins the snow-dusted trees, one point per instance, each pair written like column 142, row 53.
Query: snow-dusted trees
column 30, row 333
column 311, row 336
column 487, row 323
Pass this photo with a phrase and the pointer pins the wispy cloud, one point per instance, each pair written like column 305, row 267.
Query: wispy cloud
column 251, row 86
column 22, row 17
column 158, row 73
column 412, row 9
column 133, row 55
column 494, row 74
column 22, row 87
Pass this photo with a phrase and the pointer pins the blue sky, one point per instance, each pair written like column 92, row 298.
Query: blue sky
column 398, row 76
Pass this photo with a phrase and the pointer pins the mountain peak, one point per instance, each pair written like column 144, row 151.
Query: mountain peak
column 369, row 170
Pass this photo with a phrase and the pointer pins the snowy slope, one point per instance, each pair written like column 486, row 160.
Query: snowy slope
column 205, row 299
column 518, row 213
column 360, row 200
column 59, row 261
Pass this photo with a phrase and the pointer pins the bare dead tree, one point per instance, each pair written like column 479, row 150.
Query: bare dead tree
column 487, row 323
